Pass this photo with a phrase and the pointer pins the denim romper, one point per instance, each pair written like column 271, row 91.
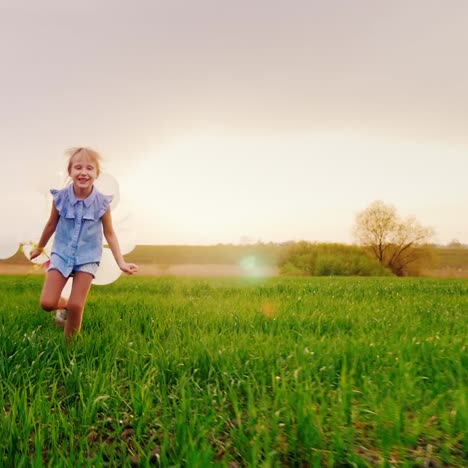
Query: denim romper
column 78, row 237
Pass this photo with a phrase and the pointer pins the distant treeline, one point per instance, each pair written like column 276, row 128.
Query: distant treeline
column 313, row 259
column 220, row 254
column 447, row 261
column 232, row 253
column 321, row 259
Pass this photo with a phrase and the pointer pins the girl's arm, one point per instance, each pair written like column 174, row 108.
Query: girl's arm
column 49, row 229
column 113, row 243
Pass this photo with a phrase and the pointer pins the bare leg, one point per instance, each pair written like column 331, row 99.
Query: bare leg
column 53, row 286
column 76, row 302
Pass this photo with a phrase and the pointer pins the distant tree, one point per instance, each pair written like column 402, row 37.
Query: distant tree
column 312, row 259
column 398, row 244
column 455, row 244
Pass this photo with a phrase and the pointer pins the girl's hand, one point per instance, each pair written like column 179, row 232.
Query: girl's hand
column 35, row 253
column 128, row 268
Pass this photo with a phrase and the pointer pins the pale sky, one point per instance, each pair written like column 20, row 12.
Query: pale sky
column 269, row 120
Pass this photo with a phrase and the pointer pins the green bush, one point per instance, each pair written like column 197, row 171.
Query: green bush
column 312, row 259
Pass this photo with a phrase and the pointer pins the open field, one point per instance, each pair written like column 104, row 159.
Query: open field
column 450, row 263
column 150, row 269
column 232, row 372
column 233, row 260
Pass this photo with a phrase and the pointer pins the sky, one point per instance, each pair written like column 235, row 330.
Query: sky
column 246, row 121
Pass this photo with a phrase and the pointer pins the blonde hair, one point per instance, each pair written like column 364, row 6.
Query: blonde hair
column 89, row 153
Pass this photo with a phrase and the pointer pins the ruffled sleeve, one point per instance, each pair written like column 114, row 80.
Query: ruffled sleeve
column 59, row 199
column 104, row 202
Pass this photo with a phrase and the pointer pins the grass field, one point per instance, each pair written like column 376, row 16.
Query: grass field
column 230, row 372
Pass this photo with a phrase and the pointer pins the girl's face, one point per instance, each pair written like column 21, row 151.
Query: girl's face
column 83, row 172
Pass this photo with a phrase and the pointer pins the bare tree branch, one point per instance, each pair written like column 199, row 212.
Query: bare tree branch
column 392, row 241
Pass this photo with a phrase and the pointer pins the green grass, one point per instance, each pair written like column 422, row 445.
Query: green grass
column 231, row 372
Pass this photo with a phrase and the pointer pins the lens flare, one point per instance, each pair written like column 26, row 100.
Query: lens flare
column 253, row 267
column 269, row 310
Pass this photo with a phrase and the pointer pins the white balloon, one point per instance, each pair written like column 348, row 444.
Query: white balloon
column 35, row 208
column 127, row 240
column 107, row 185
column 66, row 291
column 9, row 231
column 46, row 181
column 9, row 245
column 122, row 213
column 108, row 270
column 124, row 227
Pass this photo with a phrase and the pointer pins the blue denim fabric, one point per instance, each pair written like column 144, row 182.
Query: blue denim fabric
column 78, row 237
column 57, row 263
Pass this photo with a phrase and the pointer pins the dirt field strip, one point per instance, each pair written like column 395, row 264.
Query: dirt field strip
column 161, row 270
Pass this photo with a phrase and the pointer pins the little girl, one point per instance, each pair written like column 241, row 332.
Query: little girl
column 80, row 214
